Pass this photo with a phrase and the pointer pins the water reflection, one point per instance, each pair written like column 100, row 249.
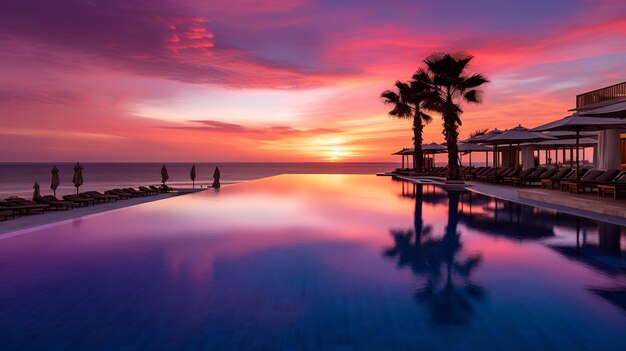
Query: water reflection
column 447, row 286
column 445, row 271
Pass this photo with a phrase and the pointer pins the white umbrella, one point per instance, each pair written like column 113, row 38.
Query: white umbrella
column 615, row 110
column 404, row 152
column 579, row 123
column 434, row 148
column 517, row 136
column 470, row 147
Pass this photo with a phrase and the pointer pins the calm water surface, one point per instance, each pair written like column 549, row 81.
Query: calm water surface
column 348, row 262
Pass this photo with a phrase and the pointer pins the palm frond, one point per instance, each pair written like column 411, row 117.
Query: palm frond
column 473, row 96
column 474, row 81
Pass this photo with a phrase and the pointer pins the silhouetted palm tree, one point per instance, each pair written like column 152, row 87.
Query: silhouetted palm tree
column 407, row 102
column 454, row 86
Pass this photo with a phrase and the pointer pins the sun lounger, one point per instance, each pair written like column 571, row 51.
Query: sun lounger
column 149, row 191
column 523, row 173
column 158, row 190
column 536, row 177
column 572, row 184
column 604, row 178
column 167, row 188
column 99, row 196
column 135, row 192
column 25, row 206
column 616, row 187
column 121, row 193
column 79, row 200
column 556, row 182
column 55, row 203
column 5, row 214
column 514, row 172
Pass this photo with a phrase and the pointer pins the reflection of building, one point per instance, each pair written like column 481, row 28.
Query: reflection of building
column 611, row 101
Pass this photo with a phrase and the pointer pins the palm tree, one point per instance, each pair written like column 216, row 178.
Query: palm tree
column 454, row 86
column 407, row 102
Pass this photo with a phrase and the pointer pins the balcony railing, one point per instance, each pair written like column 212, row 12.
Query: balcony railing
column 613, row 92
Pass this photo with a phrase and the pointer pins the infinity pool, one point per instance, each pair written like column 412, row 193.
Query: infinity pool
column 350, row 262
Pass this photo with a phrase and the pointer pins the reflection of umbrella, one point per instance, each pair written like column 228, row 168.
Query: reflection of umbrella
column 518, row 135
column 579, row 123
column 78, row 176
column 192, row 175
column 470, row 147
column 37, row 192
column 56, row 180
column 164, row 175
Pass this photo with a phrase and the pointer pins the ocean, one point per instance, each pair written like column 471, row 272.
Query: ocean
column 17, row 179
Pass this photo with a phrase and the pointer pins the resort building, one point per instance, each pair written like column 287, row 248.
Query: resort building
column 609, row 101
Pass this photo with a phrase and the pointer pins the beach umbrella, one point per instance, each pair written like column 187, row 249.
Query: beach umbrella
column 56, row 180
column 432, row 149
column 517, row 136
column 404, row 152
column 581, row 123
column 615, row 110
column 216, row 178
column 36, row 192
column 192, row 175
column 164, row 175
column 78, row 176
column 481, row 139
column 470, row 147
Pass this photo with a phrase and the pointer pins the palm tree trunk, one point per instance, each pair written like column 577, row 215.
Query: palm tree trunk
column 418, row 155
column 452, row 135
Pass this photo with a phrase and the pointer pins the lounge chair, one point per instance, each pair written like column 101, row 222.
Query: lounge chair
column 536, row 177
column 572, row 184
column 512, row 180
column 500, row 178
column 121, row 193
column 5, row 214
column 99, row 197
column 148, row 190
column 167, row 188
column 615, row 187
column 158, row 190
column 79, row 200
column 25, row 206
column 55, row 203
column 135, row 192
column 494, row 173
column 606, row 177
column 556, row 183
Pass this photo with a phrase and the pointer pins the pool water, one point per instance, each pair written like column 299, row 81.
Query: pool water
column 350, row 262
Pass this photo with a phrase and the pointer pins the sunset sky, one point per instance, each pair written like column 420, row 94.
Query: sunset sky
column 247, row 80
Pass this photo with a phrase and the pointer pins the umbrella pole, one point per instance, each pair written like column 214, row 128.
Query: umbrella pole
column 486, row 158
column 577, row 162
column 470, row 156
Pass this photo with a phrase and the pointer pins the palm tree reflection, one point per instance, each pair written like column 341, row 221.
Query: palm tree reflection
column 447, row 286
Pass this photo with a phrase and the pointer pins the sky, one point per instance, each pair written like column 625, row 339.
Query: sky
column 300, row 80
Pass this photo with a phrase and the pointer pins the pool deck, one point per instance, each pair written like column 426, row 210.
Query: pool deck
column 51, row 217
column 584, row 205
